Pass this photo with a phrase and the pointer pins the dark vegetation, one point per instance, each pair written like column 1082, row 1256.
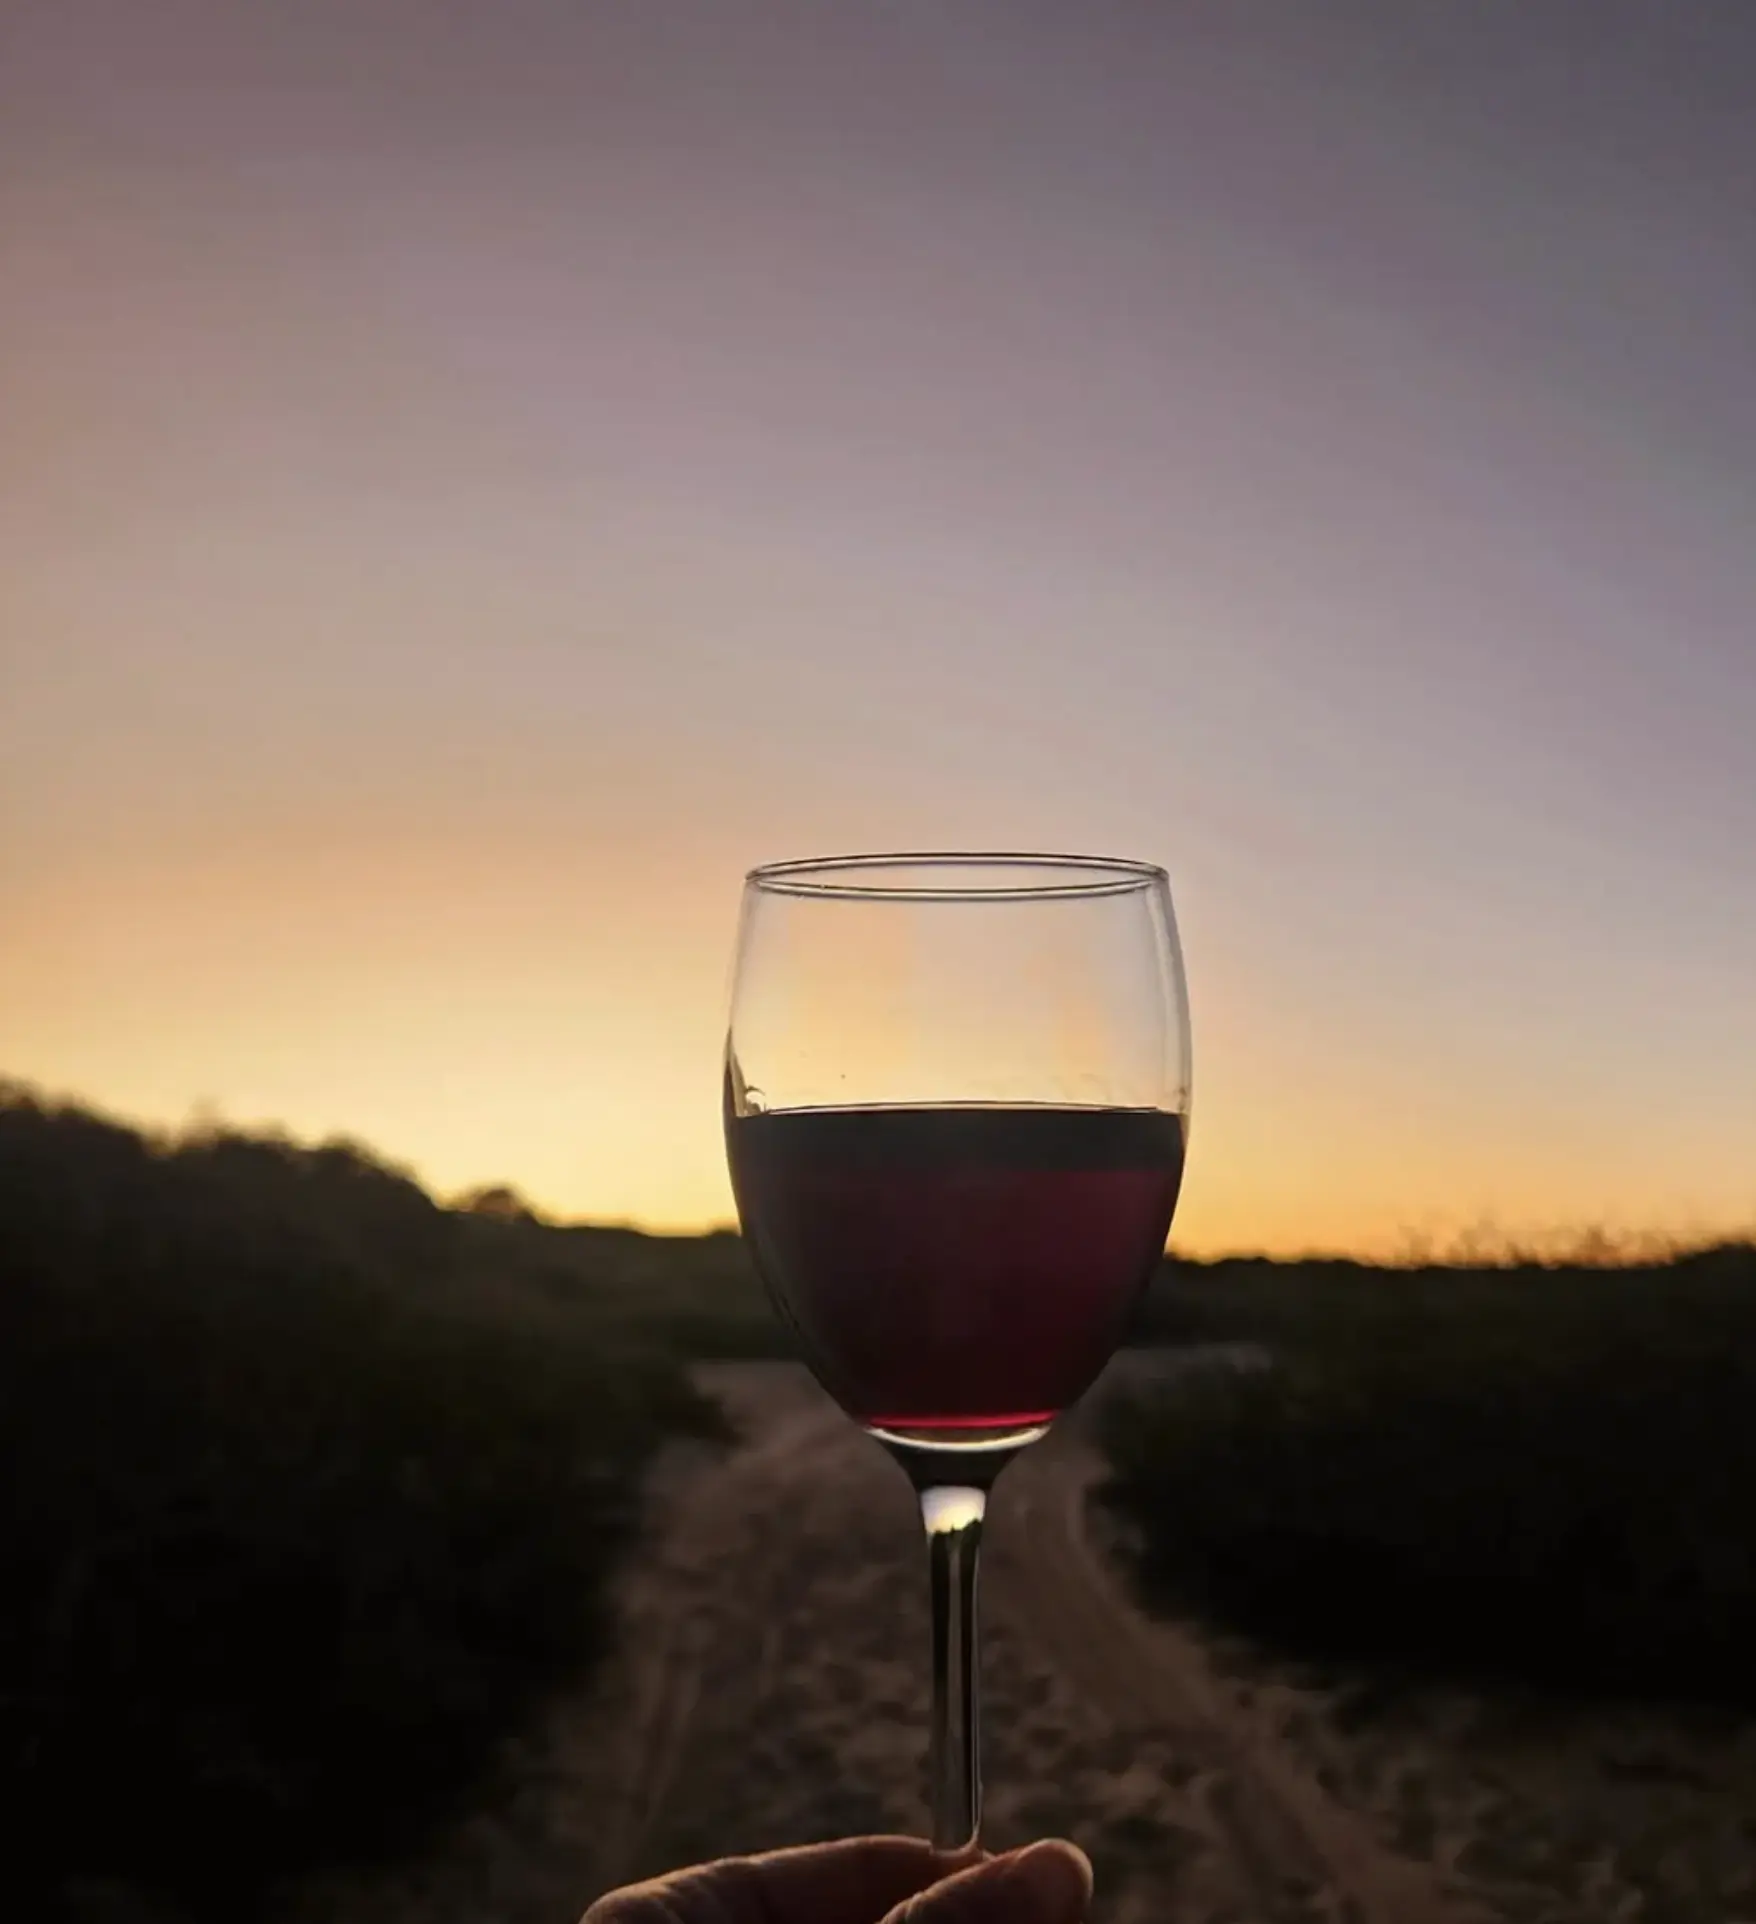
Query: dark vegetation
column 310, row 1488
column 1532, row 1474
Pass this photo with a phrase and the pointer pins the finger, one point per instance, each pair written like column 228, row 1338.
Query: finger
column 849, row 1882
column 1046, row 1883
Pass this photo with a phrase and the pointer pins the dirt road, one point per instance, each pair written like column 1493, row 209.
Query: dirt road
column 793, row 1702
column 772, row 1687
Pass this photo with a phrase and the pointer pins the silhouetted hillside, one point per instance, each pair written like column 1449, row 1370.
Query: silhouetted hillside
column 311, row 1488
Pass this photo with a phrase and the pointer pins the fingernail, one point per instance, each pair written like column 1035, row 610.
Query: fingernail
column 1050, row 1882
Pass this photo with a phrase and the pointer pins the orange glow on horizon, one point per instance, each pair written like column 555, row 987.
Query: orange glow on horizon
column 452, row 1009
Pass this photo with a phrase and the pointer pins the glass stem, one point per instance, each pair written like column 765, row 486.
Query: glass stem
column 953, row 1516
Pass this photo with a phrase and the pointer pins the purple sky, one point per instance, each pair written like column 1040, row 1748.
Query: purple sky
column 473, row 478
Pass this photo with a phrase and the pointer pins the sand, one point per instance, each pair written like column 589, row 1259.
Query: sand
column 770, row 1688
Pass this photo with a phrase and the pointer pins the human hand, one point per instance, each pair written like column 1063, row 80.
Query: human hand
column 865, row 1880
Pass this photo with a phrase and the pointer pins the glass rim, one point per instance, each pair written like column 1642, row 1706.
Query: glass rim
column 863, row 878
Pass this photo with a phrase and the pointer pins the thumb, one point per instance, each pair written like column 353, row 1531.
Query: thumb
column 1046, row 1883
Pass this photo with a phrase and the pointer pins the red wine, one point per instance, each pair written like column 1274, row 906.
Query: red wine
column 956, row 1274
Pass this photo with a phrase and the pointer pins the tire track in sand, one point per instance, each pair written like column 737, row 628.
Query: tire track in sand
column 703, row 1572
column 1298, row 1852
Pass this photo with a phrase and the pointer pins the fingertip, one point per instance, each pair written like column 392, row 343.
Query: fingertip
column 1050, row 1882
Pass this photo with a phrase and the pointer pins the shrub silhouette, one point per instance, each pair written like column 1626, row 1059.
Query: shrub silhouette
column 1546, row 1475
column 307, row 1496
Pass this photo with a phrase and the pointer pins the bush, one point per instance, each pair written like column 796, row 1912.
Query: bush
column 1540, row 1475
column 301, row 1510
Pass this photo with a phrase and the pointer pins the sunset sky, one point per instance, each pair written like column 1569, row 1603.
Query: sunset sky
column 474, row 478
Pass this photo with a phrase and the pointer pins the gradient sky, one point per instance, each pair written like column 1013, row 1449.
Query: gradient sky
column 473, row 478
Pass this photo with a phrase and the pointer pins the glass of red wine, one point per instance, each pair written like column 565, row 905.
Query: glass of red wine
column 956, row 1097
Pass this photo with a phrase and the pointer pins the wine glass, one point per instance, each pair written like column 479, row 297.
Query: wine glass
column 956, row 1094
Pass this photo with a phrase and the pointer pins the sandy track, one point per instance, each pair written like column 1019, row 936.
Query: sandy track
column 1100, row 1722
column 771, row 1687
